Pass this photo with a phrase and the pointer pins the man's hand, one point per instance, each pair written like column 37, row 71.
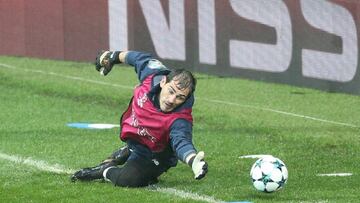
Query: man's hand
column 199, row 166
column 105, row 60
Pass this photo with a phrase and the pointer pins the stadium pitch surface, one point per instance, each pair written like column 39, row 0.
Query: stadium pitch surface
column 315, row 133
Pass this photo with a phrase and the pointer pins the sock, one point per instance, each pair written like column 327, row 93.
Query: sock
column 106, row 172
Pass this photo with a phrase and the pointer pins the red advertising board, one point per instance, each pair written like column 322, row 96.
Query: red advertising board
column 312, row 43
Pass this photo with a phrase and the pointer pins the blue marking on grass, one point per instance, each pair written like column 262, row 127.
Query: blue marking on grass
column 79, row 125
column 97, row 126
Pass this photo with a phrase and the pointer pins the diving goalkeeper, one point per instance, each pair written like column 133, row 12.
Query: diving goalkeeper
column 156, row 127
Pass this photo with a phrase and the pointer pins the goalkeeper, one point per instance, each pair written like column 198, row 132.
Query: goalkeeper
column 156, row 126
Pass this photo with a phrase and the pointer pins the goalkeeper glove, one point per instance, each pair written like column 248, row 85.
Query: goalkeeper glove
column 198, row 165
column 105, row 60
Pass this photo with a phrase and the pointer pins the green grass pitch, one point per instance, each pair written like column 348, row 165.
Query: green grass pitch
column 313, row 132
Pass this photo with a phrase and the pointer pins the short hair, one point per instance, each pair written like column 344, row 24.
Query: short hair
column 185, row 79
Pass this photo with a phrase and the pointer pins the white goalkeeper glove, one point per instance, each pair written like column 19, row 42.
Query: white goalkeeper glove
column 198, row 165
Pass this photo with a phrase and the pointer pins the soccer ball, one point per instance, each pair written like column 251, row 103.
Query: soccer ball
column 269, row 174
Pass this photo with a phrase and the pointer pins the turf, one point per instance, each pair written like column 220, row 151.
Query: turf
column 233, row 117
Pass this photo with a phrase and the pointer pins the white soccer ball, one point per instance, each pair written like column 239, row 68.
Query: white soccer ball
column 269, row 174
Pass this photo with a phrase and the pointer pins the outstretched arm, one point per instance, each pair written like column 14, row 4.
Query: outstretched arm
column 181, row 142
column 144, row 63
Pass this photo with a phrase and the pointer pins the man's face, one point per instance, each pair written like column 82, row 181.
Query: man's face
column 171, row 96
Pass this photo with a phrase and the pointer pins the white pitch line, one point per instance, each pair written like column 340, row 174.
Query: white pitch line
column 59, row 169
column 39, row 164
column 335, row 174
column 205, row 99
column 185, row 195
column 68, row 77
column 254, row 156
column 7, row 66
column 281, row 112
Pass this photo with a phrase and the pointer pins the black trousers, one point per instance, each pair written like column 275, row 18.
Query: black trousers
column 137, row 172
